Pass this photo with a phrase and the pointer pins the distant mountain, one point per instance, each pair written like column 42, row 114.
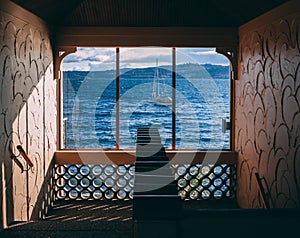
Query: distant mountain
column 203, row 71
column 218, row 71
column 192, row 71
column 195, row 71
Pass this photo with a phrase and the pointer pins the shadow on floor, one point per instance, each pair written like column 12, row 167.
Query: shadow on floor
column 113, row 219
column 86, row 219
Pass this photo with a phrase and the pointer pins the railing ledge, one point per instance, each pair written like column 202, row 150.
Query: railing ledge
column 120, row 157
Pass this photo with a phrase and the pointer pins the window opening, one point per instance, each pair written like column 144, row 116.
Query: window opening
column 109, row 92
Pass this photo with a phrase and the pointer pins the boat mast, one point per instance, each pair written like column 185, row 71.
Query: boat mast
column 155, row 91
column 157, row 79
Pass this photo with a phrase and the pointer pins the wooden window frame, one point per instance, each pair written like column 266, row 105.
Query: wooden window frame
column 225, row 41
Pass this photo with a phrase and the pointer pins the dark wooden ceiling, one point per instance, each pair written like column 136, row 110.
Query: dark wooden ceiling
column 139, row 13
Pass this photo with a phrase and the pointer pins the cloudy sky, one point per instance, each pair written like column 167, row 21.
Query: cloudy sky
column 87, row 59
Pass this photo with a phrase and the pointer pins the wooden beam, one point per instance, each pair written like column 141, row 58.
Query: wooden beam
column 146, row 36
column 128, row 157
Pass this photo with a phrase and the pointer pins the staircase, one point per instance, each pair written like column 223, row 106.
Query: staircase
column 156, row 203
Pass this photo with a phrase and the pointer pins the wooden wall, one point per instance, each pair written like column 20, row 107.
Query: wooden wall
column 27, row 113
column 267, row 107
column 267, row 110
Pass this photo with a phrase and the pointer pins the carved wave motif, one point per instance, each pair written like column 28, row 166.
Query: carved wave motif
column 268, row 103
column 27, row 89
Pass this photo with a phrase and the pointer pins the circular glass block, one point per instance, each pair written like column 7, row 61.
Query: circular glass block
column 194, row 194
column 228, row 170
column 194, row 170
column 84, row 170
column 61, row 194
column 109, row 182
column 218, row 194
column 97, row 170
column 72, row 170
column 60, row 170
column 131, row 194
column 121, row 170
column 97, row 182
column 194, row 183
column 85, row 182
column 121, row 194
column 73, row 182
column 97, row 194
column 182, row 194
column 73, row 194
column 205, row 182
column 217, row 170
column 131, row 182
column 205, row 194
column 109, row 170
column 132, row 170
column 85, row 194
column 121, row 182
column 205, row 170
column 182, row 183
column 181, row 170
column 109, row 194
column 61, row 182
column 218, row 182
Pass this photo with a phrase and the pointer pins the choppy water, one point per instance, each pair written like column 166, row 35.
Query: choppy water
column 89, row 111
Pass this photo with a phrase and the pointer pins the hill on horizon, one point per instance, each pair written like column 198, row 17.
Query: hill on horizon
column 188, row 70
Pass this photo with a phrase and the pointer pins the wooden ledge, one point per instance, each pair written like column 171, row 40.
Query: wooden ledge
column 121, row 157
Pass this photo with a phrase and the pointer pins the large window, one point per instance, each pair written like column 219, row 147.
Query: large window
column 109, row 92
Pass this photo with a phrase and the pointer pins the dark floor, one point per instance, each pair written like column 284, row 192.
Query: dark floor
column 113, row 219
column 84, row 218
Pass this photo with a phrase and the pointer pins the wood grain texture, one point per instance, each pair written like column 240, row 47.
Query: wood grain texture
column 27, row 116
column 267, row 108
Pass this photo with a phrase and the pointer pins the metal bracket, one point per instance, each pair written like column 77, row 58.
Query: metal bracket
column 226, row 125
column 231, row 54
column 61, row 54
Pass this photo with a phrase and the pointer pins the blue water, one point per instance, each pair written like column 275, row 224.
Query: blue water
column 89, row 104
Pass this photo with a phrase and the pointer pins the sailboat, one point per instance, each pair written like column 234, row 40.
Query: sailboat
column 157, row 97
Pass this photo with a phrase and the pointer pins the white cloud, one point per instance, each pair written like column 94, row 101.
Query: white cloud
column 208, row 52
column 104, row 58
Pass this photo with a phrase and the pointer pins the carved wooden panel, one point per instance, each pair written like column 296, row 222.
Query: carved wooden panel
column 267, row 132
column 27, row 116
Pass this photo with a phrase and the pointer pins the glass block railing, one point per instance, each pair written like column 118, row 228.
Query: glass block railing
column 206, row 181
column 95, row 182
